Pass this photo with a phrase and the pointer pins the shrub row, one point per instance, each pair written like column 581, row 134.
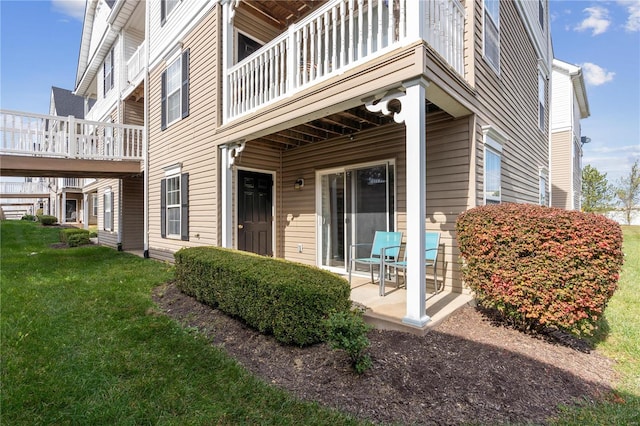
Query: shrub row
column 47, row 220
column 274, row 296
column 28, row 217
column 75, row 237
column 539, row 266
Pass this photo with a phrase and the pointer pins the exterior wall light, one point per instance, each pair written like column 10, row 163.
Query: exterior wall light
column 299, row 184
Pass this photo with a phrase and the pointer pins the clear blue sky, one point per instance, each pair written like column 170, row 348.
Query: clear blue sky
column 40, row 41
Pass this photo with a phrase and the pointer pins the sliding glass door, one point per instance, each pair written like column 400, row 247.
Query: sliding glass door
column 354, row 202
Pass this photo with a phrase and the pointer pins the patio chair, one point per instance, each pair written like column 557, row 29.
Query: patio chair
column 385, row 244
column 431, row 249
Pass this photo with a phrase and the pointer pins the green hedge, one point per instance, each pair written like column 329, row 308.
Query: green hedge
column 274, row 296
column 47, row 220
column 539, row 266
column 76, row 240
column 28, row 217
column 66, row 233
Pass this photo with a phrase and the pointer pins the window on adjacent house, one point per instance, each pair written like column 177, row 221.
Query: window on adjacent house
column 175, row 91
column 543, row 177
column 492, row 32
column 94, row 205
column 174, row 206
column 541, row 13
column 108, row 211
column 542, row 88
column 166, row 7
column 108, row 73
column 492, row 171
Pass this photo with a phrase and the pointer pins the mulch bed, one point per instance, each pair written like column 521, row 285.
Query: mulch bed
column 466, row 369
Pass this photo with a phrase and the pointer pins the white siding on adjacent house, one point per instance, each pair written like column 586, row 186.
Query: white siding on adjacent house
column 562, row 101
column 100, row 26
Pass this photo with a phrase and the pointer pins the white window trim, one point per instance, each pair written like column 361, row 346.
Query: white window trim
column 107, row 209
column 493, row 142
column 170, row 172
column 94, row 204
column 168, row 12
column 543, row 82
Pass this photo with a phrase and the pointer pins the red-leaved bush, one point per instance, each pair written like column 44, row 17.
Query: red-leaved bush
column 539, row 266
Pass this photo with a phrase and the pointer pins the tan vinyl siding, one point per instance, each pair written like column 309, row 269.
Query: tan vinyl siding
column 188, row 141
column 561, row 178
column 133, row 213
column 133, row 112
column 259, row 30
column 509, row 102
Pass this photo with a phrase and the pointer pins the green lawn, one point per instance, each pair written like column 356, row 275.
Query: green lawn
column 81, row 343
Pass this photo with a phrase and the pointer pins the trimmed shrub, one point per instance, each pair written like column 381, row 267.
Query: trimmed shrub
column 78, row 239
column 68, row 232
column 28, row 217
column 274, row 296
column 541, row 267
column 47, row 220
column 347, row 331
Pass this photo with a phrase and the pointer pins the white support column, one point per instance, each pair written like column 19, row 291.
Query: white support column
column 228, row 154
column 228, row 12
column 63, row 207
column 413, row 114
column 416, row 147
column 85, row 211
column 415, row 17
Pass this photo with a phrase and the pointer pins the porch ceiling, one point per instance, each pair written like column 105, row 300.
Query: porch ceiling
column 344, row 123
column 278, row 12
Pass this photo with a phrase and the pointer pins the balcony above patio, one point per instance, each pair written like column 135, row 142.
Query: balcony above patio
column 311, row 42
column 52, row 146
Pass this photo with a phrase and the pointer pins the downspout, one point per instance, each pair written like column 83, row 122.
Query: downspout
column 145, row 145
column 120, row 121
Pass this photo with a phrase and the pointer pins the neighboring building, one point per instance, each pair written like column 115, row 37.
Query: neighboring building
column 569, row 104
column 110, row 74
column 295, row 129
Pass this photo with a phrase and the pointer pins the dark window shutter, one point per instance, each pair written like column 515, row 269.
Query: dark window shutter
column 185, row 83
column 184, row 205
column 104, row 79
column 112, row 212
column 112, row 71
column 163, row 12
column 105, row 225
column 163, row 94
column 163, row 208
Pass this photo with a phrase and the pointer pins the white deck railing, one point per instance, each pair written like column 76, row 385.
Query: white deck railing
column 76, row 183
column 339, row 35
column 135, row 64
column 26, row 188
column 68, row 137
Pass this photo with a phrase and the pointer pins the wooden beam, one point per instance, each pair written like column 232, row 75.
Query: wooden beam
column 25, row 166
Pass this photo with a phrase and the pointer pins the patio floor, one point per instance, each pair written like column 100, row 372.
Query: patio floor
column 386, row 312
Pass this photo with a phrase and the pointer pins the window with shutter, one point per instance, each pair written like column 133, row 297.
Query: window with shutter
column 175, row 91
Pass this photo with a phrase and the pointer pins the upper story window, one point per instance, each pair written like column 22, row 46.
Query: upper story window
column 541, row 13
column 175, row 90
column 492, row 32
column 246, row 46
column 108, row 73
column 492, row 167
column 542, row 105
column 166, row 7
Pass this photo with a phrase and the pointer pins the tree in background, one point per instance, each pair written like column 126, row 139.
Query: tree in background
column 628, row 191
column 597, row 193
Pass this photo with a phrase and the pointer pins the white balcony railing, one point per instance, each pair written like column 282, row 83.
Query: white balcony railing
column 135, row 65
column 68, row 137
column 23, row 188
column 72, row 183
column 337, row 36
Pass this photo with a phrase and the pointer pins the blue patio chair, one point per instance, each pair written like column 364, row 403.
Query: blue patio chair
column 385, row 244
column 431, row 249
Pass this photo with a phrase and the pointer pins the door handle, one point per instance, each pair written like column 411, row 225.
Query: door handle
column 240, row 226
